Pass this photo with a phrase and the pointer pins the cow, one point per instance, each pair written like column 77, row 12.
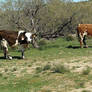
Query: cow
column 84, row 30
column 15, row 38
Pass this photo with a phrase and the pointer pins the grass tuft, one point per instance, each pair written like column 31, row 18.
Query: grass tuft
column 86, row 71
column 6, row 70
column 60, row 69
column 39, row 69
column 14, row 69
column 86, row 91
column 70, row 38
column 1, row 74
column 46, row 67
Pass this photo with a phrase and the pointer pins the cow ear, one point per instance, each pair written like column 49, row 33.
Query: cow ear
column 33, row 35
column 22, row 38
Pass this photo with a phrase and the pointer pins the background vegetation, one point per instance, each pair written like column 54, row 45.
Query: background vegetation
column 47, row 18
column 59, row 65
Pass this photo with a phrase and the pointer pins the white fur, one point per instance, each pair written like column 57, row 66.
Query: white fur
column 21, row 31
column 85, row 33
column 16, row 43
column 81, row 37
column 10, row 58
column 28, row 35
column 4, row 43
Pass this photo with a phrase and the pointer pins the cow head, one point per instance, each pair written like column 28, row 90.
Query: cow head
column 34, row 41
column 28, row 37
column 32, row 38
column 24, row 37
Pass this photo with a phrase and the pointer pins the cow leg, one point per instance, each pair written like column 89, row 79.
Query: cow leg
column 22, row 53
column 22, row 49
column 81, row 43
column 6, row 55
column 81, row 40
column 5, row 49
column 84, row 42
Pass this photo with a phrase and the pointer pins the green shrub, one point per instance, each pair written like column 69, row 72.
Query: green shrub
column 46, row 90
column 86, row 91
column 86, row 71
column 1, row 74
column 46, row 67
column 60, row 69
column 70, row 38
column 42, row 42
column 80, row 84
column 39, row 69
column 14, row 69
column 6, row 70
column 29, row 65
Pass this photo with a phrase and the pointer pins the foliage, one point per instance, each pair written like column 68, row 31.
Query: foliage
column 86, row 91
column 70, row 38
column 47, row 18
column 60, row 69
column 39, row 69
column 86, row 71
column 42, row 42
column 46, row 67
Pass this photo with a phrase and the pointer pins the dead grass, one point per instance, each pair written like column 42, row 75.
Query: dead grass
column 71, row 67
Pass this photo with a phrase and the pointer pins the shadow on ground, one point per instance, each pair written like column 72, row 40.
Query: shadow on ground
column 14, row 57
column 48, row 47
column 76, row 47
column 73, row 47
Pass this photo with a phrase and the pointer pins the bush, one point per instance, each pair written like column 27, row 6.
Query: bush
column 1, row 74
column 39, row 69
column 46, row 67
column 60, row 69
column 14, row 69
column 86, row 71
column 86, row 91
column 6, row 70
column 81, row 84
column 70, row 38
column 42, row 42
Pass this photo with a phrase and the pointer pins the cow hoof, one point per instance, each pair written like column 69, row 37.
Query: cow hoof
column 5, row 57
column 23, row 57
column 86, row 46
column 10, row 58
column 81, row 47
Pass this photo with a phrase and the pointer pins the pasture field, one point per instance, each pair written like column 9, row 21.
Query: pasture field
column 57, row 66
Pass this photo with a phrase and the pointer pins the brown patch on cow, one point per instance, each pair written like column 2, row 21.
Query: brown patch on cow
column 11, row 35
column 33, row 36
column 85, row 28
column 22, row 39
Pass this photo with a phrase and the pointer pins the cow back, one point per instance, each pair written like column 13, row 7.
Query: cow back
column 10, row 36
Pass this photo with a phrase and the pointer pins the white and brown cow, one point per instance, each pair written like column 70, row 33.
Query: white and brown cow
column 13, row 39
column 84, row 30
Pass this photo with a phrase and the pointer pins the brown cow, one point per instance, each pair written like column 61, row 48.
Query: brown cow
column 13, row 39
column 83, row 30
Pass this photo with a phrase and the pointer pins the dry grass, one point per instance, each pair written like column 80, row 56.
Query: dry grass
column 54, row 68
